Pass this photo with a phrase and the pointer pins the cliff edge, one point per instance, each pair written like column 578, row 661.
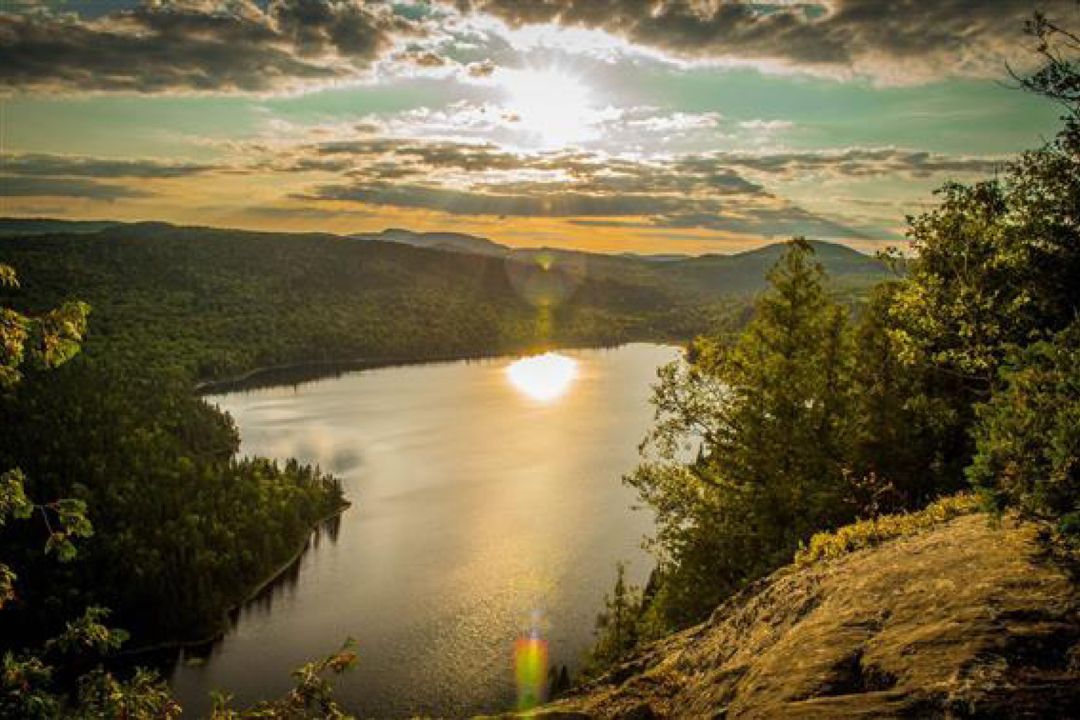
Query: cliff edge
column 963, row 620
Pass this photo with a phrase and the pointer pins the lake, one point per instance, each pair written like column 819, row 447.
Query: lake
column 486, row 499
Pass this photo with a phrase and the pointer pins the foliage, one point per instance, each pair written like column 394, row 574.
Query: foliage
column 868, row 533
column 101, row 694
column 907, row 444
column 995, row 265
column 1028, row 436
column 982, row 319
column 1057, row 77
column 41, row 342
column 27, row 677
column 213, row 303
column 30, row 689
column 311, row 698
column 37, row 682
column 768, row 416
column 184, row 529
column 616, row 625
column 801, row 424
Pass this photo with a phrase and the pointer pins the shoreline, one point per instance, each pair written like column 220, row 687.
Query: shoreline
column 223, row 623
column 302, row 372
column 319, row 369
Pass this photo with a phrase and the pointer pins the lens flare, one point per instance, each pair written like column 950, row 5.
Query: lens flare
column 546, row 279
column 530, row 670
column 544, row 377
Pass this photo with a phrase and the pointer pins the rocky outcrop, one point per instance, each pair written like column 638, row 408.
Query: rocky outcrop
column 965, row 620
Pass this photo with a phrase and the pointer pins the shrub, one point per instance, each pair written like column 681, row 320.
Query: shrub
column 869, row 533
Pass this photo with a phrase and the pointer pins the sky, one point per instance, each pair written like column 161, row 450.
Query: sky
column 650, row 126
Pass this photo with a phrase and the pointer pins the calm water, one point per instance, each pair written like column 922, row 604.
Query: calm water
column 476, row 505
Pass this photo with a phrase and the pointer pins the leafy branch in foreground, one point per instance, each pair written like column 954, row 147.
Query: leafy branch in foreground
column 312, row 697
column 43, row 342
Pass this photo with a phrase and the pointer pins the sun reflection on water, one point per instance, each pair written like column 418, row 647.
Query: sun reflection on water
column 544, row 377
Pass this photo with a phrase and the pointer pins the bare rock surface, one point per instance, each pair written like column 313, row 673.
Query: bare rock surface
column 965, row 620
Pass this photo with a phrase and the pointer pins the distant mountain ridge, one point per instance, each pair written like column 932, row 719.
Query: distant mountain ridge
column 740, row 272
column 456, row 242
column 706, row 276
column 45, row 226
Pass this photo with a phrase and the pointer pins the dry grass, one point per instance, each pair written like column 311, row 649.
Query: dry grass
column 873, row 532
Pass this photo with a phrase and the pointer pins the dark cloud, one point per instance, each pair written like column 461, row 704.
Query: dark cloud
column 424, row 59
column 787, row 220
column 721, row 191
column 848, row 162
column 194, row 45
column 554, row 203
column 67, row 187
column 590, row 172
column 434, row 153
column 900, row 39
column 293, row 212
column 481, row 69
column 256, row 46
column 757, row 221
column 44, row 165
column 686, row 193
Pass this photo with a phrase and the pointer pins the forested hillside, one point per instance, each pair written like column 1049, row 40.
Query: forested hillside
column 218, row 302
column 183, row 528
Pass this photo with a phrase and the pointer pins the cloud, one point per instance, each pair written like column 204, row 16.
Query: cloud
column 481, row 69
column 426, row 59
column 260, row 46
column 553, row 203
column 676, row 122
column 723, row 192
column 46, row 165
column 197, row 45
column 788, row 220
column 729, row 192
column 895, row 42
column 580, row 186
column 845, row 163
column 67, row 187
column 342, row 170
column 767, row 126
column 291, row 212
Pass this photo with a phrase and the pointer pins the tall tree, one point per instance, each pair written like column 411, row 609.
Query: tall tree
column 1028, row 435
column 768, row 415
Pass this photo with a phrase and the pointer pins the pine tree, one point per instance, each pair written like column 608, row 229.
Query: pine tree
column 771, row 414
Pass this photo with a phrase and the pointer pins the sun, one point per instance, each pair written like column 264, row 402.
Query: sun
column 543, row 377
column 551, row 106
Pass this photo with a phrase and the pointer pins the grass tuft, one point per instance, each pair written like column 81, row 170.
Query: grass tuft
column 863, row 534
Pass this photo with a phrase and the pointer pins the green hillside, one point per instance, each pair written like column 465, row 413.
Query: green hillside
column 220, row 302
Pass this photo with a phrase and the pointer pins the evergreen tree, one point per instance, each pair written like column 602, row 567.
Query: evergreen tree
column 905, row 446
column 616, row 624
column 1028, row 435
column 769, row 416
